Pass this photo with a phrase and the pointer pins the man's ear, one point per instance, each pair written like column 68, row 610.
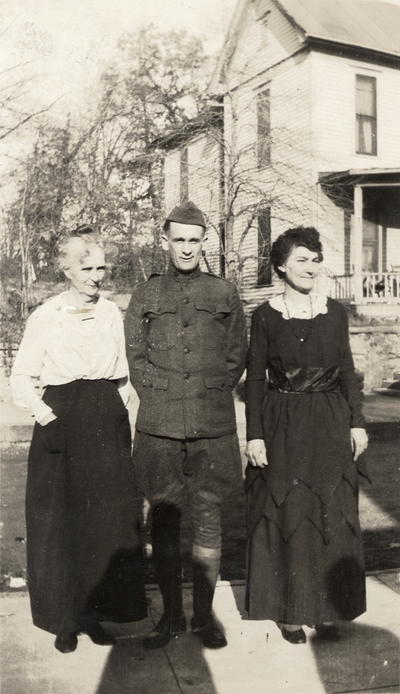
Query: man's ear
column 164, row 242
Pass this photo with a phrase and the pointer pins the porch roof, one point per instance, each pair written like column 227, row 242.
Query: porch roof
column 361, row 177
column 381, row 200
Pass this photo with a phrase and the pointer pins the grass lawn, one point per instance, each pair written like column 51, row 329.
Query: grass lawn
column 379, row 513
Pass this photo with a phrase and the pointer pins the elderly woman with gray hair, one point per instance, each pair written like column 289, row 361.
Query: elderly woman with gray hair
column 84, row 556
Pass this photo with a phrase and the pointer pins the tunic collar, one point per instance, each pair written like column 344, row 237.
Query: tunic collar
column 183, row 276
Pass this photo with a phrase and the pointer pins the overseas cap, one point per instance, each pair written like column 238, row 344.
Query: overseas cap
column 187, row 213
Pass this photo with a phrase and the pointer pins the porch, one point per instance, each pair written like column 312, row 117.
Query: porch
column 377, row 287
column 370, row 200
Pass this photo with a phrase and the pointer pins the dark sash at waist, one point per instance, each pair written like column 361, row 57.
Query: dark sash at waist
column 304, row 380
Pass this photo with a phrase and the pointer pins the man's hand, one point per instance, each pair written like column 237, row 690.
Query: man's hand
column 359, row 441
column 257, row 453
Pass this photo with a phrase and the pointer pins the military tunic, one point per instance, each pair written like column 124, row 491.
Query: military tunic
column 186, row 348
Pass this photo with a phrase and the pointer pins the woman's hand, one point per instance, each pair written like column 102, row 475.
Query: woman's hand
column 256, row 453
column 359, row 441
column 47, row 419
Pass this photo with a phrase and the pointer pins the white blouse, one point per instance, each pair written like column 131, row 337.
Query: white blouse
column 61, row 344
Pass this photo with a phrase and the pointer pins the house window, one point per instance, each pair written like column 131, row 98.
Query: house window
column 263, row 129
column 365, row 115
column 184, row 176
column 264, row 275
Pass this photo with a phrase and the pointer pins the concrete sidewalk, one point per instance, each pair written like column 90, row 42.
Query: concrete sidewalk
column 256, row 661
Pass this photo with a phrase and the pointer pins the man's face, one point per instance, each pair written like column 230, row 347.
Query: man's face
column 184, row 243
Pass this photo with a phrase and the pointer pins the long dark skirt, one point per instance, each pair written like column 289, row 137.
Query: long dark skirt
column 85, row 559
column 306, row 579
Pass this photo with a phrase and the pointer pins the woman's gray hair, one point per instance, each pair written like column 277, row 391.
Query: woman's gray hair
column 80, row 243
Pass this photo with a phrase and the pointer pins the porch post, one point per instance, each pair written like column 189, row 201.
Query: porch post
column 358, row 234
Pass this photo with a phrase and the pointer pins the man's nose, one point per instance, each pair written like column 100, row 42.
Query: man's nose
column 186, row 249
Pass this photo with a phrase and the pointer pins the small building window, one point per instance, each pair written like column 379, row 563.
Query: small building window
column 365, row 115
column 263, row 129
column 184, row 176
column 264, row 275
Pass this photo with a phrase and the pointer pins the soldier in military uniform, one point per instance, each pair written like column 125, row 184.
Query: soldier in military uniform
column 186, row 346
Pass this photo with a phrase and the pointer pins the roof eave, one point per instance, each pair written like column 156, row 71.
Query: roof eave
column 316, row 42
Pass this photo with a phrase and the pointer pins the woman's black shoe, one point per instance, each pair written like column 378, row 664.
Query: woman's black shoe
column 66, row 644
column 99, row 636
column 295, row 637
column 329, row 632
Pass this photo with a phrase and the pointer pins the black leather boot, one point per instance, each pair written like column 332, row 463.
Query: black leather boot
column 206, row 564
column 167, row 562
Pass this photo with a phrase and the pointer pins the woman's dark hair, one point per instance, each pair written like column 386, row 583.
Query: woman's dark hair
column 292, row 238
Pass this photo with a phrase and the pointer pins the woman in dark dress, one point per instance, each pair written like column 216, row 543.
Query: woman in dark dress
column 305, row 432
column 84, row 556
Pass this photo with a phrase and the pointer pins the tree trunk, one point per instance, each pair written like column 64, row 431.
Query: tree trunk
column 5, row 307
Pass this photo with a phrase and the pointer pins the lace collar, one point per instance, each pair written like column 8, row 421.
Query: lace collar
column 319, row 302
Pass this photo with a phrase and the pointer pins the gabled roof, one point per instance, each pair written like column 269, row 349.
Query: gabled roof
column 373, row 24
column 370, row 25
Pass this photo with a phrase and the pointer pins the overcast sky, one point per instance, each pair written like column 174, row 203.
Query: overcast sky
column 64, row 40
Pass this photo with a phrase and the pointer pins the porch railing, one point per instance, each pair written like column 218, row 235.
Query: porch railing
column 377, row 287
column 342, row 287
column 381, row 287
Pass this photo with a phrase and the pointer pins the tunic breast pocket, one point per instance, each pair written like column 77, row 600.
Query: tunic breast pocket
column 212, row 319
column 162, row 328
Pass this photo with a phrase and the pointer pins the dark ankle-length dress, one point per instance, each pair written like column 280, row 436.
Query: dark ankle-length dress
column 84, row 556
column 305, row 553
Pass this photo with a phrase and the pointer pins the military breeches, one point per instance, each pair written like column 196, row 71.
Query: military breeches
column 201, row 471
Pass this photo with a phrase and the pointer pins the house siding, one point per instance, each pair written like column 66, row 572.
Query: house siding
column 172, row 179
column 266, row 38
column 287, row 183
column 334, row 146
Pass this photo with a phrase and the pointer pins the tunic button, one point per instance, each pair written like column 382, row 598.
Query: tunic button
column 186, row 375
column 185, row 323
column 186, row 350
column 186, row 300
